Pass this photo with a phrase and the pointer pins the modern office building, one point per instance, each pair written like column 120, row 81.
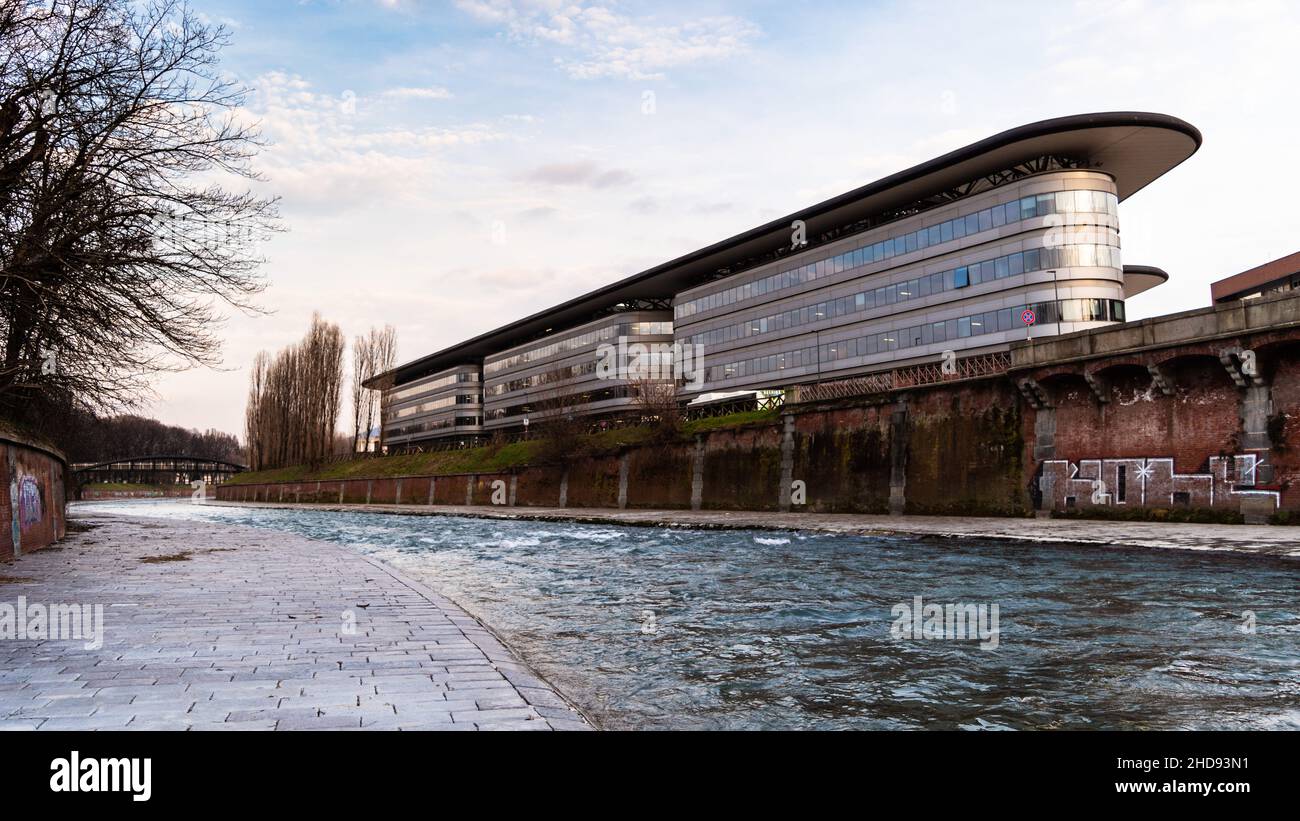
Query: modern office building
column 448, row 402
column 1274, row 277
column 561, row 373
column 950, row 255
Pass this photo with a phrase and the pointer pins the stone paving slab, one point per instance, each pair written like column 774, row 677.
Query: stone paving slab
column 215, row 627
column 1268, row 540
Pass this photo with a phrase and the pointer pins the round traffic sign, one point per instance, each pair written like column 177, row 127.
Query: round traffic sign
column 1028, row 316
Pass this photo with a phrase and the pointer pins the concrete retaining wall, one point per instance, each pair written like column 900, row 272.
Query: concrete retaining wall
column 975, row 448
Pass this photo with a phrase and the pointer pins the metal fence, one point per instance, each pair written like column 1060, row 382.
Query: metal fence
column 971, row 367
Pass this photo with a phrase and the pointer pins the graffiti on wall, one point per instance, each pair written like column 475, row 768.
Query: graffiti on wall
column 1152, row 482
column 31, row 508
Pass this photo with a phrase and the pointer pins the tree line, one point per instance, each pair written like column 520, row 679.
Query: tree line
column 295, row 396
column 97, row 440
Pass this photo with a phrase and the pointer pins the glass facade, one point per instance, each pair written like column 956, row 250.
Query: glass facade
column 1013, row 211
column 583, row 398
column 420, row 388
column 455, row 424
column 609, row 332
column 1038, row 259
column 446, row 403
column 553, row 376
column 987, row 322
column 804, row 299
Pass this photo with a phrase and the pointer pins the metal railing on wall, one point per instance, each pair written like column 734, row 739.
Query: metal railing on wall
column 911, row 376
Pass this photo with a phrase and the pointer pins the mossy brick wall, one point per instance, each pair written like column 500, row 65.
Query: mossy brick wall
column 1284, row 427
column 593, row 482
column 449, row 490
column 539, row 486
column 969, row 449
column 966, row 450
column 742, row 469
column 484, row 488
column 1199, row 420
column 383, row 491
column 843, row 458
column 415, row 490
column 660, row 476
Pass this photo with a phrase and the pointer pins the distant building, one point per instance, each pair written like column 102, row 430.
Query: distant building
column 1014, row 235
column 1270, row 278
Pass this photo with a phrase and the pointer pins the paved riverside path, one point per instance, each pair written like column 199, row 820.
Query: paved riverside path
column 214, row 627
column 1263, row 540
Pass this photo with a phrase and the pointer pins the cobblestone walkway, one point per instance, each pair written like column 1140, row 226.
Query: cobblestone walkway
column 231, row 628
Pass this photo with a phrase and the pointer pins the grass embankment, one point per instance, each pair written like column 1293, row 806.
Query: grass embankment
column 486, row 459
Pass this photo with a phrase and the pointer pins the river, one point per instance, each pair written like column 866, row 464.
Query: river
column 715, row 629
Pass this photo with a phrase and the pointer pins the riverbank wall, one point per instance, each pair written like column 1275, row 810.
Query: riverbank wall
column 1186, row 417
column 32, row 512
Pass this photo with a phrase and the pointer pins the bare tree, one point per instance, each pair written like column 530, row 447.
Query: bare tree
column 118, row 241
column 558, row 416
column 373, row 355
column 656, row 400
column 363, row 363
column 294, row 400
column 255, row 434
column 383, row 345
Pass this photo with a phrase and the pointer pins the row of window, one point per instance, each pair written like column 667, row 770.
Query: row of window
column 631, row 366
column 1037, row 259
column 435, row 404
column 436, row 425
column 1061, row 202
column 989, row 322
column 664, row 328
column 425, row 387
column 1005, row 319
column 576, row 400
column 545, row 377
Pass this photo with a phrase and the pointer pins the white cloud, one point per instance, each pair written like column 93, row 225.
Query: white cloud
column 331, row 153
column 610, row 44
column 430, row 93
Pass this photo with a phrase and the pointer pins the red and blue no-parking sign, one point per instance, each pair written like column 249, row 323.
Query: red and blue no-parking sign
column 1028, row 316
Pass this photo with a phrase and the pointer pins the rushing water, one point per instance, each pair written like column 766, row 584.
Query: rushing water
column 673, row 628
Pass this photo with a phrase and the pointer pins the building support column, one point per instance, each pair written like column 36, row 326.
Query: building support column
column 1044, row 450
column 787, row 463
column 898, row 433
column 622, row 481
column 1256, row 408
column 1044, row 434
column 697, row 475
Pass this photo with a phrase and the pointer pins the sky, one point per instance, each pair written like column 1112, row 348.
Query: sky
column 447, row 167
